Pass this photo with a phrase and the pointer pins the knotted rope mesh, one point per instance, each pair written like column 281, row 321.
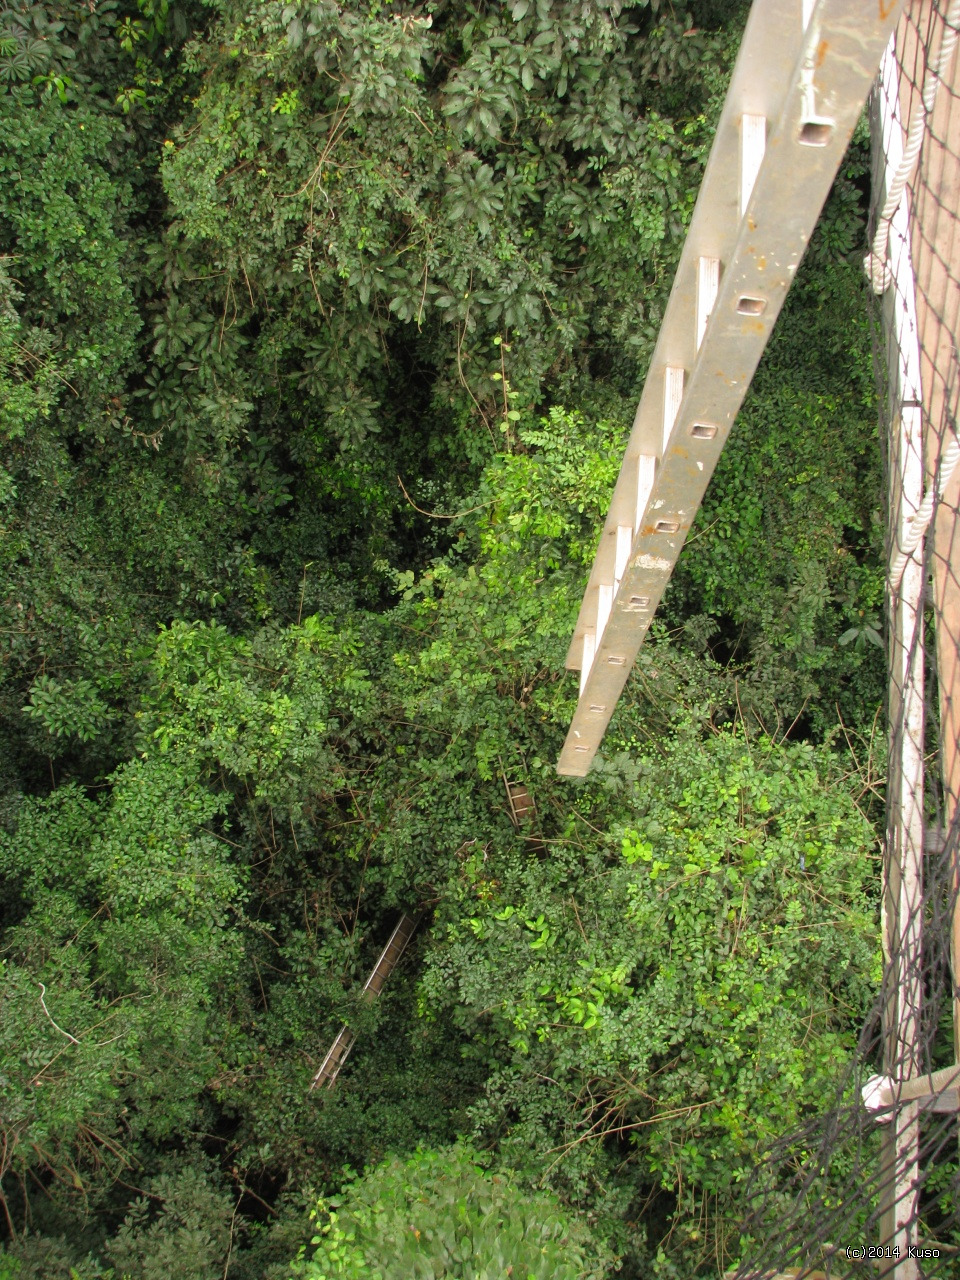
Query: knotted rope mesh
column 871, row 1187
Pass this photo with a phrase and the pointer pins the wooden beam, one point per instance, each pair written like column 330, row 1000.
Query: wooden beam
column 934, row 1087
column 903, row 854
column 936, row 254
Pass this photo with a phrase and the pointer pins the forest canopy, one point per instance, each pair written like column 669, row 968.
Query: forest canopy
column 322, row 326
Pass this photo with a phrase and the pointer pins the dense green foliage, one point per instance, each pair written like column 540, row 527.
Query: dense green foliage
column 438, row 1214
column 321, row 329
column 683, row 980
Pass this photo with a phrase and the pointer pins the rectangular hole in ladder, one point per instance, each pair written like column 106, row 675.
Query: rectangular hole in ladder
column 638, row 602
column 668, row 526
column 815, row 133
column 703, row 431
column 708, row 282
column 750, row 306
column 753, row 141
column 672, row 395
column 617, row 662
column 597, row 708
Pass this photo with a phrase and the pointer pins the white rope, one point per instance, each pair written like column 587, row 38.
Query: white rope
column 920, row 521
column 875, row 262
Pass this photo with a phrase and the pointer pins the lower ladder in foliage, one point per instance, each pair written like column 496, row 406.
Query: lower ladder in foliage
column 339, row 1051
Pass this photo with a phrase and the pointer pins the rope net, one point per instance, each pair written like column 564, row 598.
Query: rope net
column 872, row 1186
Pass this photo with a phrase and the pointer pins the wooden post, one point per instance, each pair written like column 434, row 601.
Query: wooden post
column 903, row 862
column 935, row 248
